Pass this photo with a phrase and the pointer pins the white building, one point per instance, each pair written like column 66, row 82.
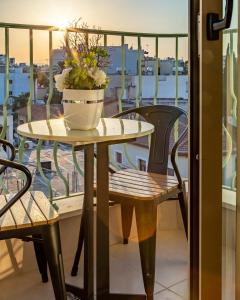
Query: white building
column 12, row 60
column 131, row 60
column 166, row 87
column 165, row 66
column 19, row 83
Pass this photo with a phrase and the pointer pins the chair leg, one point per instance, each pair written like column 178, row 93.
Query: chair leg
column 52, row 246
column 127, row 215
column 183, row 209
column 80, row 243
column 41, row 258
column 146, row 218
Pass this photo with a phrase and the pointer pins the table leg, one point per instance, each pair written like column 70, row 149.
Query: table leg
column 88, row 291
column 103, row 287
column 88, row 221
column 103, row 268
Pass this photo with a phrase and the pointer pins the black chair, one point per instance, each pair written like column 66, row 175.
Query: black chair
column 145, row 190
column 29, row 216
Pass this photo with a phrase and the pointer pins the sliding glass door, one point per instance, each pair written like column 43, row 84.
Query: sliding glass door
column 229, row 156
column 219, row 218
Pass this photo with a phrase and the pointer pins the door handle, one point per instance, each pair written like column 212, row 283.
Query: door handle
column 215, row 25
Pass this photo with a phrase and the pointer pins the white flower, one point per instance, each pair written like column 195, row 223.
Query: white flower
column 99, row 77
column 90, row 72
column 60, row 78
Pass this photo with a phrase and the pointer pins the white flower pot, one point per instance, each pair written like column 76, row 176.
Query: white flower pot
column 82, row 108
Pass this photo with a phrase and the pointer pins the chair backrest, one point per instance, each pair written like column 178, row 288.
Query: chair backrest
column 163, row 118
column 4, row 163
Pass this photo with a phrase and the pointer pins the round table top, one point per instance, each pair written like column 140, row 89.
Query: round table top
column 108, row 129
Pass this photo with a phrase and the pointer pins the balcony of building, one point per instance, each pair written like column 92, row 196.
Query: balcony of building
column 57, row 169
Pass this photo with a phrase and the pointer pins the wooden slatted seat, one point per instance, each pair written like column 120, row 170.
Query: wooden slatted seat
column 32, row 209
column 141, row 185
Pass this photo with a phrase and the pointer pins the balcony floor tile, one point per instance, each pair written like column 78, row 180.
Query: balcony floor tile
column 126, row 277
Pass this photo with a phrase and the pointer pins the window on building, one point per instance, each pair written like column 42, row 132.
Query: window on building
column 10, row 81
column 10, row 93
column 118, row 157
column 142, row 164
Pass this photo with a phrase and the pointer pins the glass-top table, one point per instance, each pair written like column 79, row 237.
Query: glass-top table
column 109, row 131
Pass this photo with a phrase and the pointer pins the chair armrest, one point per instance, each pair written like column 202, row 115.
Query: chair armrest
column 173, row 156
column 18, row 195
column 13, row 153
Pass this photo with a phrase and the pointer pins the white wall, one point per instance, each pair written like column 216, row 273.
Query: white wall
column 166, row 87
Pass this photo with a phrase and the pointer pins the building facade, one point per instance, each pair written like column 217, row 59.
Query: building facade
column 19, row 83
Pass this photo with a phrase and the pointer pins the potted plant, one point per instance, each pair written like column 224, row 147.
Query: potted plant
column 83, row 81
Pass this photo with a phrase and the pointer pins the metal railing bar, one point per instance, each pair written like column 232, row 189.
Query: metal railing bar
column 87, row 38
column 50, row 77
column 105, row 41
column 156, row 72
column 176, row 127
column 39, row 167
column 5, row 105
column 91, row 31
column 59, row 172
column 139, row 97
column 231, row 41
column 122, row 75
column 176, row 71
column 30, row 99
column 78, row 168
column 21, row 150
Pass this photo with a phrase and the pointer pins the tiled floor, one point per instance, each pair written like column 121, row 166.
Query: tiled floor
column 171, row 272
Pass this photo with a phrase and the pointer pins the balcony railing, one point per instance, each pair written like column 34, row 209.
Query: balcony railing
column 105, row 33
column 156, row 38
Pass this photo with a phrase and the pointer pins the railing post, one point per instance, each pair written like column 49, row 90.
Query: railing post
column 30, row 99
column 50, row 77
column 139, row 97
column 176, row 127
column 5, row 105
column 156, row 72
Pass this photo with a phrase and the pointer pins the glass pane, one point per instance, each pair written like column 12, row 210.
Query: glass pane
column 229, row 140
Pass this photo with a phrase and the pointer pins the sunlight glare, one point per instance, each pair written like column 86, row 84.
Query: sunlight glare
column 61, row 22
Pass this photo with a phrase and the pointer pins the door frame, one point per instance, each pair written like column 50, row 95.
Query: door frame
column 193, row 138
column 210, row 166
column 205, row 220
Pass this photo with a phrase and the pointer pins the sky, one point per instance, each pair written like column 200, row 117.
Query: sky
column 155, row 16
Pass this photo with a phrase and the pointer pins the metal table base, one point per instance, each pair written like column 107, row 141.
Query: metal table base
column 102, row 276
